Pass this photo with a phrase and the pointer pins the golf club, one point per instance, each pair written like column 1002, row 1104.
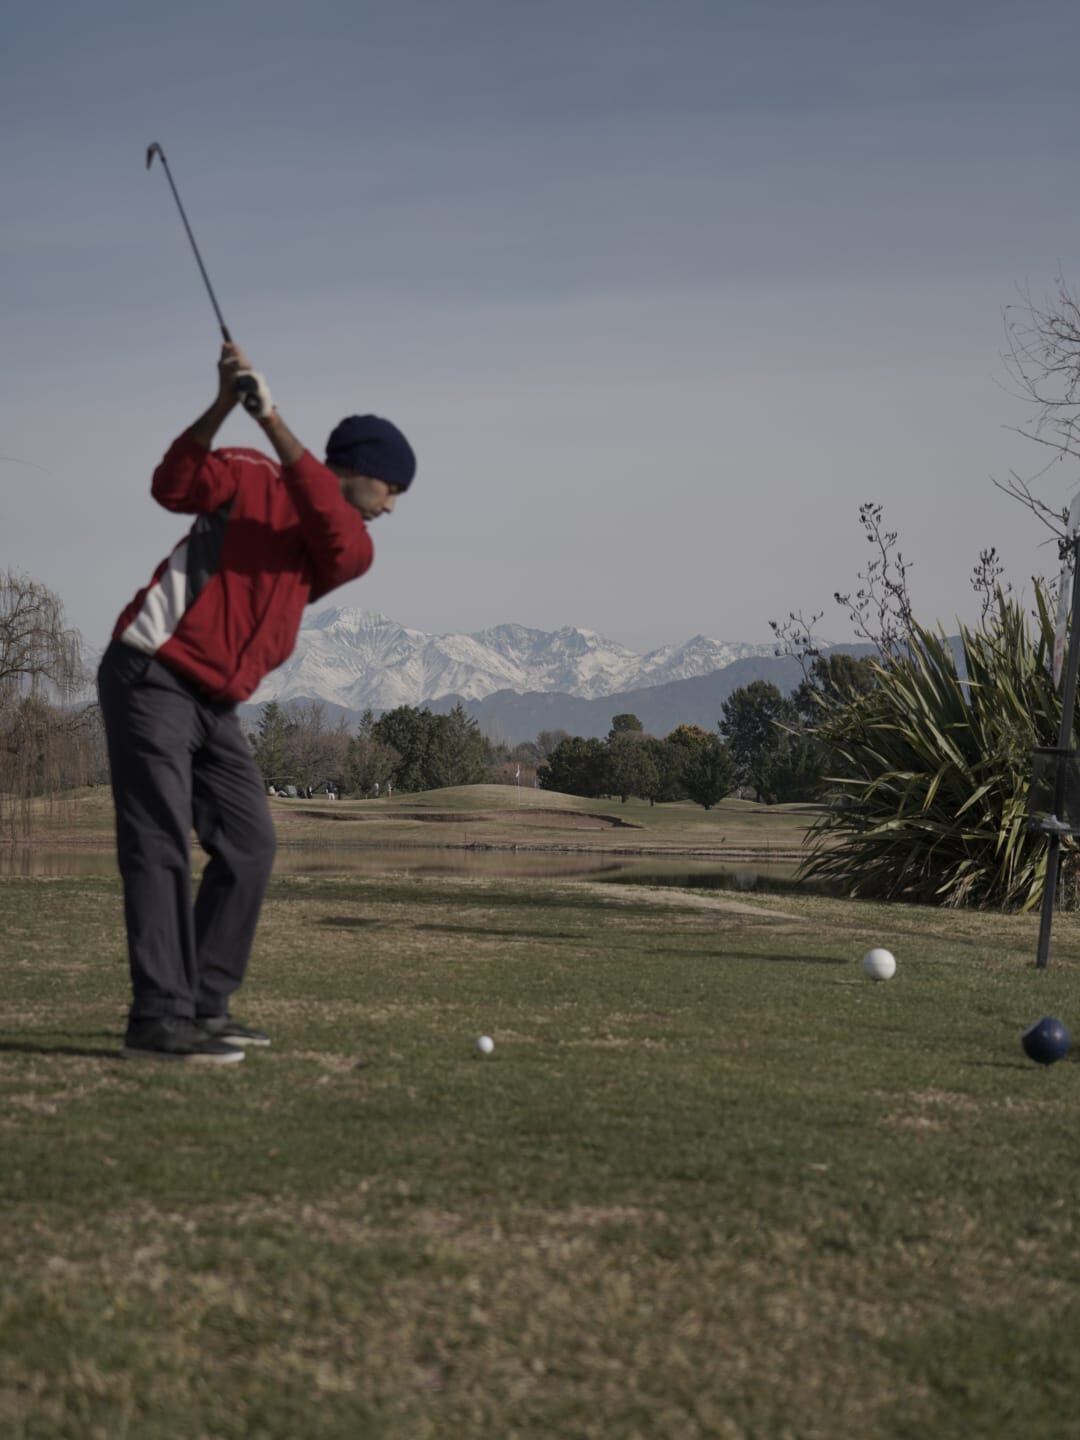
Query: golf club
column 156, row 149
column 249, row 388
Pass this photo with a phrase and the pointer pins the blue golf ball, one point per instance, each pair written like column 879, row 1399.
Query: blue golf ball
column 1046, row 1041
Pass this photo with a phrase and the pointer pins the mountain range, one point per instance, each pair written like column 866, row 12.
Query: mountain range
column 515, row 681
column 358, row 659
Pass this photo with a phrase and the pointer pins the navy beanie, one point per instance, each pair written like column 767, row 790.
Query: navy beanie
column 370, row 445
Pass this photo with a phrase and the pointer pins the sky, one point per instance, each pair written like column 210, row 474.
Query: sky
column 661, row 293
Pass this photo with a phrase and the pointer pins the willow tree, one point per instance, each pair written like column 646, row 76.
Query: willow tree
column 47, row 739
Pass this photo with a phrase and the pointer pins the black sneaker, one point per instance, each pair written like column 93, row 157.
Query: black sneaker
column 174, row 1038
column 224, row 1027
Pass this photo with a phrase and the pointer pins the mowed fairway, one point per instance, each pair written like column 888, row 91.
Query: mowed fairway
column 712, row 1182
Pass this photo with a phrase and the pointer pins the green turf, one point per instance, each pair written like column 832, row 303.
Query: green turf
column 499, row 817
column 712, row 1182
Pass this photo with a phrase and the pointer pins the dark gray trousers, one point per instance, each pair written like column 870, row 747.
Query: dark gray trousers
column 180, row 761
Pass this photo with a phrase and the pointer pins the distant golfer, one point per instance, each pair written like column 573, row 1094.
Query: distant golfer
column 220, row 612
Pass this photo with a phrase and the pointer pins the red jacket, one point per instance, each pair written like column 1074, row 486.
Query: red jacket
column 224, row 608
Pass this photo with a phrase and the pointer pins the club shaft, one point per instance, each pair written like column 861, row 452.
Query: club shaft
column 202, row 268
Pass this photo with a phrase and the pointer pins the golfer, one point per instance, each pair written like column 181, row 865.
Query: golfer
column 220, row 612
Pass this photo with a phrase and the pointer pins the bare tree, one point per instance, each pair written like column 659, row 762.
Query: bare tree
column 880, row 610
column 1042, row 356
column 986, row 580
column 369, row 762
column 317, row 748
column 45, row 743
column 39, row 654
column 795, row 638
column 549, row 740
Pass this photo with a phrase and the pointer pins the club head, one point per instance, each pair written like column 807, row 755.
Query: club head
column 152, row 150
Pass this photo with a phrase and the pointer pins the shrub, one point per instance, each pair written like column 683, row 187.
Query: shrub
column 932, row 769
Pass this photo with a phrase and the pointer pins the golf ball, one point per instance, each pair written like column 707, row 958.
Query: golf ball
column 484, row 1045
column 879, row 964
column 1046, row 1041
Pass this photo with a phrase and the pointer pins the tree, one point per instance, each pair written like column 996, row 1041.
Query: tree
column 1044, row 361
column 707, row 773
column 317, row 749
column 794, row 769
column 369, row 762
column 751, row 716
column 512, row 765
column 435, row 751
column 1043, row 358
column 630, row 768
column 880, row 609
column 664, row 778
column 272, row 745
column 45, row 741
column 684, row 736
column 457, row 752
column 547, row 740
column 575, row 767
column 622, row 724
column 704, row 764
column 39, row 654
column 832, row 680
column 795, row 766
column 410, row 732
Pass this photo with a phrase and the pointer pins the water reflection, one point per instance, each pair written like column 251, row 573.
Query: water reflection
column 98, row 861
column 34, row 860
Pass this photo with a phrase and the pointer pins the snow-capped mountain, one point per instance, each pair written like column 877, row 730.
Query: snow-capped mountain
column 357, row 658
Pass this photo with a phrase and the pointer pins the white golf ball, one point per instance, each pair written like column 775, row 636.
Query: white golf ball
column 484, row 1045
column 879, row 964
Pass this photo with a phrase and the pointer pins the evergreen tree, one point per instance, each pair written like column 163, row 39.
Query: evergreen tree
column 664, row 779
column 751, row 719
column 410, row 732
column 457, row 752
column 630, row 768
column 836, row 680
column 794, row 769
column 708, row 773
column 272, row 746
column 575, row 767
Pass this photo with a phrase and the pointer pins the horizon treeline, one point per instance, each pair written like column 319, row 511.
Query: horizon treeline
column 763, row 747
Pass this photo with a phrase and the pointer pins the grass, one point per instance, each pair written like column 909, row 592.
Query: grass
column 495, row 816
column 712, row 1182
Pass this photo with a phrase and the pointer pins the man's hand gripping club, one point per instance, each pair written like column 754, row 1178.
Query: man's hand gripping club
column 237, row 380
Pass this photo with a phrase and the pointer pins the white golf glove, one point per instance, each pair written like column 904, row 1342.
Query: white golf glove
column 251, row 389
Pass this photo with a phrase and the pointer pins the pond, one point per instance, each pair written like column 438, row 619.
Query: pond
column 679, row 872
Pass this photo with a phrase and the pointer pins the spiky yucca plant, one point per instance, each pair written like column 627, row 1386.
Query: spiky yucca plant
column 933, row 770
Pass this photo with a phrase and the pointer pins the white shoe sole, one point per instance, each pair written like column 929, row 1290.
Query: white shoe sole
column 133, row 1052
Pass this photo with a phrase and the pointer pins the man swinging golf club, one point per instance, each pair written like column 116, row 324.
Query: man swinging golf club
column 220, row 612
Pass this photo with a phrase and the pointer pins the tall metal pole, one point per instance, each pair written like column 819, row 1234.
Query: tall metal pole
column 1061, row 764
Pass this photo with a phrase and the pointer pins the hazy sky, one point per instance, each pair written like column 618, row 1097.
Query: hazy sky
column 660, row 291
